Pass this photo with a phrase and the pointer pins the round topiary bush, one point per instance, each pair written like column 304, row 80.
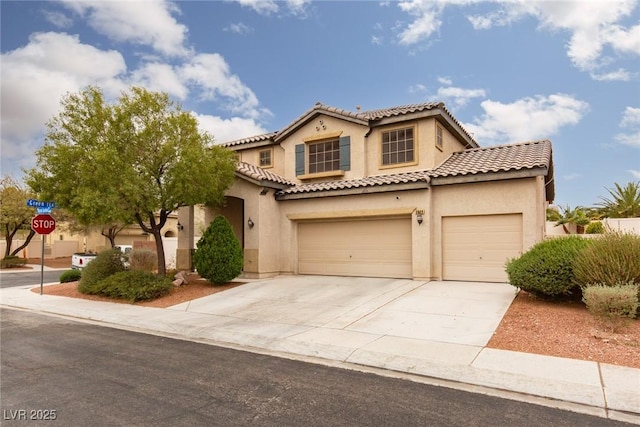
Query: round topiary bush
column 218, row 257
column 70, row 276
column 610, row 259
column 104, row 265
column 546, row 270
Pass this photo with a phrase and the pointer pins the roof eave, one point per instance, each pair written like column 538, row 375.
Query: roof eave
column 312, row 115
column 265, row 183
column 489, row 176
column 419, row 185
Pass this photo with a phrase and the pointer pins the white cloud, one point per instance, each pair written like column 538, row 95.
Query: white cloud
column 459, row 96
column 211, row 73
column 160, row 77
column 263, row 7
column 35, row 78
column 225, row 130
column 120, row 21
column 635, row 173
column 631, row 121
column 630, row 117
column 239, row 28
column 445, row 81
column 268, row 7
column 427, row 20
column 526, row 119
column 376, row 40
column 571, row 176
column 618, row 75
column 58, row 19
column 417, row 88
column 593, row 26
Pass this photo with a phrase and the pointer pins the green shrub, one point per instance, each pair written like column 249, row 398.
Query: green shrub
column 613, row 305
column 143, row 259
column 219, row 255
column 595, row 227
column 610, row 259
column 12, row 261
column 102, row 266
column 546, row 270
column 70, row 276
column 134, row 285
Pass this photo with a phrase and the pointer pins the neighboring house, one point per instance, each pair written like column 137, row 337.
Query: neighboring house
column 403, row 192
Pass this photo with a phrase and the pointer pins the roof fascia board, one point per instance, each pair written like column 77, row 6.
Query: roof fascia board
column 386, row 188
column 261, row 182
column 249, row 145
column 489, row 176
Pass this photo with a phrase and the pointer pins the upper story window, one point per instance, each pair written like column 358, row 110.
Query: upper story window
column 266, row 158
column 398, row 146
column 439, row 137
column 324, row 156
column 321, row 158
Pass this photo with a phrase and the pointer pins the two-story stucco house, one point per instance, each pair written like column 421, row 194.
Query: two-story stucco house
column 400, row 192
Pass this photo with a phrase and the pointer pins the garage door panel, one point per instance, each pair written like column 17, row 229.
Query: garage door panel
column 377, row 248
column 476, row 248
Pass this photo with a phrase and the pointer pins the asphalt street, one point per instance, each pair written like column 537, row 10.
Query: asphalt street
column 83, row 374
column 8, row 280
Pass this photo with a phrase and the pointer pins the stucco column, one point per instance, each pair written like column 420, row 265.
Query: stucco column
column 186, row 236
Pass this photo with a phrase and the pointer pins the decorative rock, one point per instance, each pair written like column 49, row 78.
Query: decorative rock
column 180, row 276
column 178, row 282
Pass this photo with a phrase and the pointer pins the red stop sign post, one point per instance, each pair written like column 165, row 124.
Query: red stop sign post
column 43, row 224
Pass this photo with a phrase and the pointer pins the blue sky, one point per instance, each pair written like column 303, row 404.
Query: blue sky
column 509, row 71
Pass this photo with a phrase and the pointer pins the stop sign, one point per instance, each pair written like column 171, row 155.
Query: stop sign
column 43, row 224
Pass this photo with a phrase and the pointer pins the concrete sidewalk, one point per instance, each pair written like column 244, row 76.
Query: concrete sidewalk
column 426, row 330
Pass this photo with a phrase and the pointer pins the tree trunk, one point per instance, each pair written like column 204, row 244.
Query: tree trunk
column 162, row 268
column 25, row 244
column 156, row 230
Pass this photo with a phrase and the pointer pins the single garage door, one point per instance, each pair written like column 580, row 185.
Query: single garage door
column 475, row 248
column 369, row 248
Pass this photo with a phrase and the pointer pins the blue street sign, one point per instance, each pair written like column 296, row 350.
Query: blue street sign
column 45, row 210
column 33, row 203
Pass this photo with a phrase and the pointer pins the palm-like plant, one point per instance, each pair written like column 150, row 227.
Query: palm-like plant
column 624, row 201
column 576, row 216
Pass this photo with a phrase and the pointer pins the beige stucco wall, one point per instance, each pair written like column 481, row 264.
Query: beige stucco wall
column 428, row 156
column 486, row 198
column 330, row 128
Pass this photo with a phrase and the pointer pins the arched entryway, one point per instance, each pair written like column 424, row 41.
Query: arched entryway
column 233, row 210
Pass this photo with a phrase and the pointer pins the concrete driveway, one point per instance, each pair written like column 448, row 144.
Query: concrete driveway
column 448, row 312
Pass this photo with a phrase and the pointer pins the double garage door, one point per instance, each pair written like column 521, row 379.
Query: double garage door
column 475, row 248
column 369, row 248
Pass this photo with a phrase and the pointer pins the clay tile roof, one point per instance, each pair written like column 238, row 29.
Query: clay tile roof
column 500, row 158
column 401, row 178
column 256, row 138
column 400, row 110
column 260, row 174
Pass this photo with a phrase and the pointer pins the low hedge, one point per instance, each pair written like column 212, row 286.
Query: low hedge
column 134, row 285
column 12, row 261
column 546, row 270
column 70, row 276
